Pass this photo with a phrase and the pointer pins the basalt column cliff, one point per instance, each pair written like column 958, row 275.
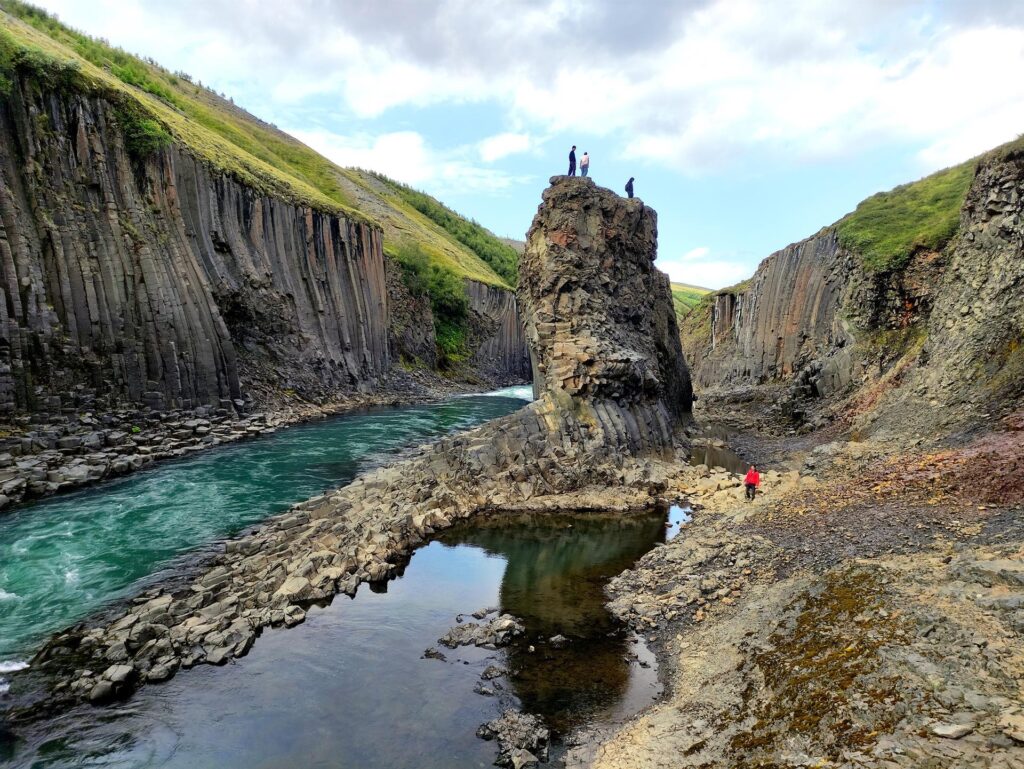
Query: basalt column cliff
column 599, row 317
column 613, row 392
column 156, row 281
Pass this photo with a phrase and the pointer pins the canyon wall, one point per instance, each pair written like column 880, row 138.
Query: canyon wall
column 939, row 335
column 778, row 320
column 496, row 334
column 158, row 280
column 162, row 281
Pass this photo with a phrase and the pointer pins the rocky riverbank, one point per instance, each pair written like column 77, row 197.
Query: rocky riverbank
column 863, row 612
column 68, row 448
column 613, row 398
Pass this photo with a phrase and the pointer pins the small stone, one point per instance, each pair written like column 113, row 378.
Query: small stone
column 522, row 759
column 952, row 731
column 118, row 673
column 103, row 691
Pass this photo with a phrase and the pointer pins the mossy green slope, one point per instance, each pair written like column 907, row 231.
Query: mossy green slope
column 888, row 228
column 158, row 106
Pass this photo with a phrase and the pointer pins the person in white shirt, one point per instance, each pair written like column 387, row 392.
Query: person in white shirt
column 584, row 164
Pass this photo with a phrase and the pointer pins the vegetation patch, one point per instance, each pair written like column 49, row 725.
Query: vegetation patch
column 695, row 325
column 817, row 671
column 143, row 135
column 448, row 300
column 497, row 254
column 686, row 297
column 887, row 229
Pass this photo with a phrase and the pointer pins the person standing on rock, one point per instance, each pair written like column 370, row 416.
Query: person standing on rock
column 752, row 481
column 572, row 161
column 584, row 164
column 629, row 188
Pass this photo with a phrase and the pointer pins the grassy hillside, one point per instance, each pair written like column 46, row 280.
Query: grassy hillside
column 888, row 228
column 686, row 297
column 156, row 107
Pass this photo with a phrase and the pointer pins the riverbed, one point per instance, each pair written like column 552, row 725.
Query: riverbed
column 63, row 558
column 351, row 686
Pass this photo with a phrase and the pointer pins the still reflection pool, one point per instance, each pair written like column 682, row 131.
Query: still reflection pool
column 351, row 688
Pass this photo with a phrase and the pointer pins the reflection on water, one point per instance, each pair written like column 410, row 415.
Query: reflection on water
column 554, row 581
column 350, row 687
column 716, row 456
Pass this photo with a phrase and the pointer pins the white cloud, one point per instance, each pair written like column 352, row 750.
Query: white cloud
column 502, row 145
column 700, row 271
column 406, row 156
column 695, row 253
column 694, row 86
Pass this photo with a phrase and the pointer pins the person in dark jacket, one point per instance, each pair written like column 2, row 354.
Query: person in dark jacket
column 572, row 161
column 629, row 188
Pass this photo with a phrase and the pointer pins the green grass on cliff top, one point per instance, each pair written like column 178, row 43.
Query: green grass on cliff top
column 887, row 229
column 686, row 297
column 227, row 137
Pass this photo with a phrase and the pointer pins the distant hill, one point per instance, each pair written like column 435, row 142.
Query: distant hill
column 685, row 297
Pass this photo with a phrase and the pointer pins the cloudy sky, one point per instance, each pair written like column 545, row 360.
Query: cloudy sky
column 748, row 124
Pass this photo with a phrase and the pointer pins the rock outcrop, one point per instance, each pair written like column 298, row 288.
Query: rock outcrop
column 162, row 281
column 614, row 392
column 599, row 316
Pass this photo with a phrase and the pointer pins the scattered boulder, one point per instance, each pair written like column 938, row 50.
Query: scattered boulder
column 517, row 733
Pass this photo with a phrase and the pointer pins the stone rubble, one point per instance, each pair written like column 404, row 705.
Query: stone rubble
column 522, row 739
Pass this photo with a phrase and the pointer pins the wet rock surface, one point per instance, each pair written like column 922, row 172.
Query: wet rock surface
column 497, row 632
column 522, row 739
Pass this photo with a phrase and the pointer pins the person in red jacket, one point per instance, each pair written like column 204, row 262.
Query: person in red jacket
column 752, row 481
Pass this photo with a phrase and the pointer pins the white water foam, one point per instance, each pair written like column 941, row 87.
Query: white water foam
column 9, row 666
column 71, row 576
column 5, row 596
column 522, row 392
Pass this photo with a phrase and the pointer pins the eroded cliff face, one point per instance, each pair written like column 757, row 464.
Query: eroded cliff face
column 599, row 315
column 943, row 331
column 971, row 361
column 162, row 281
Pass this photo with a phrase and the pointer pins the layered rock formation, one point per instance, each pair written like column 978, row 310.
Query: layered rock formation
column 157, row 280
column 942, row 330
column 614, row 392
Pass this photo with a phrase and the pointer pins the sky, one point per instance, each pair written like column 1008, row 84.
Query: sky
column 747, row 124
